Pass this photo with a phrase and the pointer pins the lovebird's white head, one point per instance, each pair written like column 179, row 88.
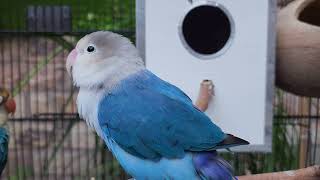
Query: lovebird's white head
column 102, row 58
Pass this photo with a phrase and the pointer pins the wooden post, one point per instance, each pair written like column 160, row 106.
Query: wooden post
column 304, row 111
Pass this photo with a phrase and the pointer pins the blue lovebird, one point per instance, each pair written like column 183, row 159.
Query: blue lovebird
column 7, row 106
column 151, row 127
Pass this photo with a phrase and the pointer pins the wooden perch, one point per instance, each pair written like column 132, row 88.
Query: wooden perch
column 310, row 173
column 205, row 94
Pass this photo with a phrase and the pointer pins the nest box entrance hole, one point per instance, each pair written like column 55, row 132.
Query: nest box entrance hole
column 206, row 30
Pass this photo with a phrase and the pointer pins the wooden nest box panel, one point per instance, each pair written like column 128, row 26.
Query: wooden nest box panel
column 231, row 43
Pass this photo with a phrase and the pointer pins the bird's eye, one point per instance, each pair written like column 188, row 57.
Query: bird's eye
column 91, row 48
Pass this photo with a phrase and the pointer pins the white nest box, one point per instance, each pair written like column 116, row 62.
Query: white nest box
column 230, row 42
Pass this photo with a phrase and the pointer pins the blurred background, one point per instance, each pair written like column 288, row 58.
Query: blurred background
column 49, row 141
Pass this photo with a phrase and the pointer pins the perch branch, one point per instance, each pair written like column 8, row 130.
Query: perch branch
column 310, row 173
column 205, row 94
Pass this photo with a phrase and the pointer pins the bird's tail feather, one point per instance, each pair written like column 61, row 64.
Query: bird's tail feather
column 210, row 166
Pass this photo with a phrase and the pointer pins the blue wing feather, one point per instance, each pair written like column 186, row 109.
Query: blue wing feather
column 4, row 140
column 151, row 118
column 210, row 166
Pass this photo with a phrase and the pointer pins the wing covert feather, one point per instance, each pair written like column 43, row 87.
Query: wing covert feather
column 152, row 119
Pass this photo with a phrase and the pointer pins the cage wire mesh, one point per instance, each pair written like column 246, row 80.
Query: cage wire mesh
column 49, row 141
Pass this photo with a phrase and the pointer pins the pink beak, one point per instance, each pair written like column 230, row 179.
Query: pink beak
column 71, row 60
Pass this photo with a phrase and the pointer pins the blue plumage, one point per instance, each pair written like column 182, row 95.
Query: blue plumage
column 210, row 166
column 152, row 119
column 4, row 140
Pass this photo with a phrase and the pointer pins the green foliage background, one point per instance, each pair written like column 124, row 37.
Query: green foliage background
column 86, row 14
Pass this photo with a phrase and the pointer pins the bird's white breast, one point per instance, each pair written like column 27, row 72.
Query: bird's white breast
column 87, row 104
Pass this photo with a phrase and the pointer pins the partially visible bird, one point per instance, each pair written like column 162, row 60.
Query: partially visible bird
column 150, row 126
column 7, row 106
